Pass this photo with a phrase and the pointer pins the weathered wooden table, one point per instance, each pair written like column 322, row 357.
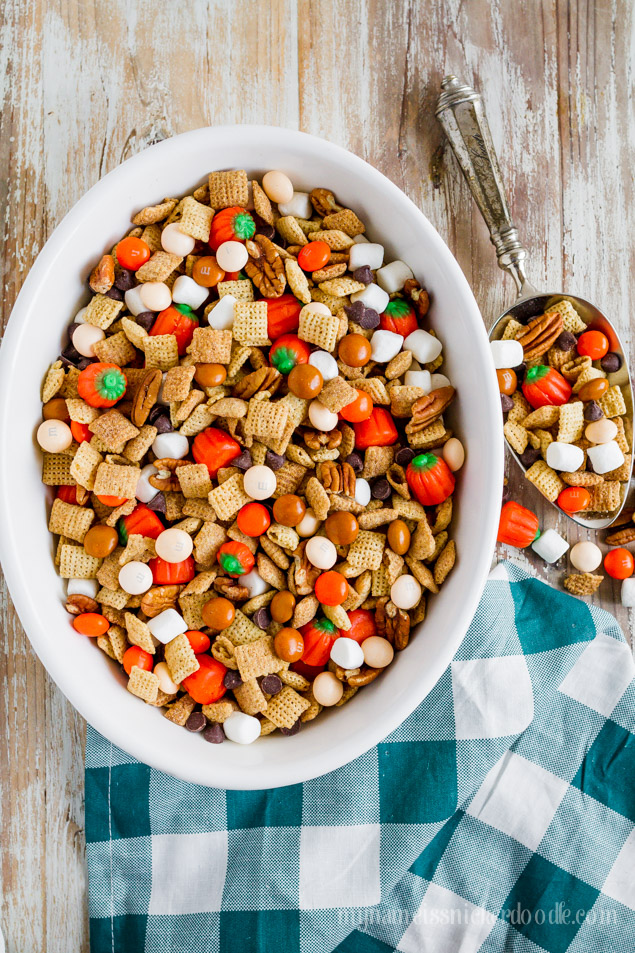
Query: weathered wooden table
column 87, row 83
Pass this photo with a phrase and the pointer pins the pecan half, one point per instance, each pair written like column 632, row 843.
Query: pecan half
column 337, row 477
column 265, row 267
column 418, row 295
column 317, row 439
column 365, row 677
column 539, row 335
column 159, row 599
column 265, row 378
column 77, row 604
column 392, row 623
column 166, row 478
column 102, row 277
column 626, row 516
column 323, row 201
column 426, row 409
column 146, row 396
column 621, row 537
column 81, row 495
column 231, row 589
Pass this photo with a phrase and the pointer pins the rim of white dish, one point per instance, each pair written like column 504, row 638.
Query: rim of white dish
column 149, row 750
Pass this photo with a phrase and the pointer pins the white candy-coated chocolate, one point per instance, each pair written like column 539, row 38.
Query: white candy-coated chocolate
column 550, row 546
column 327, row 689
column 321, row 552
column 384, row 345
column 277, row 186
column 254, row 583
column 240, row 728
column 172, row 444
column 378, row 652
column 373, row 297
column 628, row 593
column 174, row 545
column 80, row 317
column 167, row 625
column 506, row 354
column 422, row 379
column 605, row 457
column 314, row 307
column 362, row 491
column 186, row 291
column 423, row 345
column 259, row 482
column 393, row 276
column 585, row 556
column 54, row 436
column 82, row 587
column 145, row 491
column 309, row 524
column 599, row 431
column 365, row 253
column 325, row 363
column 405, row 592
column 175, row 241
column 564, row 456
column 222, row 315
column 166, row 684
column 155, row 296
column 454, row 453
column 321, row 417
column 85, row 337
column 347, row 653
column 135, row 577
column 232, row 256
column 299, row 205
column 134, row 304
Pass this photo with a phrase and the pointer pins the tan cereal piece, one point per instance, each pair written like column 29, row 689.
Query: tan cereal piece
column 191, row 606
column 250, row 323
column 572, row 370
column 295, row 680
column 177, row 383
column 422, row 574
column 173, row 505
column 230, row 407
column 545, row 480
column 588, row 374
column 612, row 402
column 139, row 633
column 258, row 658
column 158, row 267
column 210, row 346
column 377, row 460
column 379, row 585
column 375, row 387
column 335, row 238
column 582, row 584
column 445, row 563
column 345, row 221
column 367, row 550
column 520, row 410
column 285, row 708
column 558, row 358
column 516, row 436
column 319, row 329
column 620, row 474
column 200, row 509
column 228, row 188
column 266, row 418
column 242, row 290
column 333, row 304
column 544, row 439
column 338, row 616
column 180, row 659
column 108, row 573
column 373, row 518
column 180, row 711
column 75, row 563
column 297, row 280
column 105, row 645
column 161, row 350
column 85, row 465
column 143, row 684
column 407, row 509
column 118, row 641
column 151, row 235
column 581, row 478
column 512, row 330
column 56, row 469
column 218, row 712
column 329, row 271
column 115, row 349
column 275, row 552
column 305, row 610
column 228, row 498
column 113, row 429
column 571, row 423
column 543, row 417
column 194, row 481
column 398, row 366
column 242, row 630
column 341, row 286
column 53, row 381
column 211, row 537
column 300, row 456
column 317, row 498
column 80, row 411
column 422, row 543
column 337, row 394
column 138, row 548
column 116, row 598
column 113, row 480
column 70, row 521
column 571, row 320
column 196, row 219
column 155, row 213
column 178, row 415
column 268, row 571
column 434, row 435
column 605, row 497
column 136, row 449
column 621, row 439
column 262, row 205
column 288, row 228
column 201, row 583
column 124, row 510
column 250, row 697
column 135, row 333
column 69, row 387
column 102, row 311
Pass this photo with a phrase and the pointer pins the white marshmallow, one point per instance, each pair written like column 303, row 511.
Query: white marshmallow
column 392, row 277
column 365, row 253
column 628, row 592
column 134, row 304
column 221, row 317
column 423, row 345
column 240, row 728
column 373, row 297
column 326, row 365
column 550, row 546
column 82, row 587
column 186, row 291
column 506, row 354
column 440, row 380
column 145, row 491
column 564, row 456
column 175, row 241
column 422, row 379
column 300, row 206
column 362, row 491
column 605, row 457
column 347, row 653
column 384, row 345
column 173, row 444
column 254, row 583
column 167, row 625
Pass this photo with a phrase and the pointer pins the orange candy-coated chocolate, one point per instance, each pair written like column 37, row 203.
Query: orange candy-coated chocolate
column 331, row 588
column 218, row 613
column 91, row 623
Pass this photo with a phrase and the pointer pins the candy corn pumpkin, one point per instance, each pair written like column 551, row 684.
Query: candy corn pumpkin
column 545, row 386
column 430, row 479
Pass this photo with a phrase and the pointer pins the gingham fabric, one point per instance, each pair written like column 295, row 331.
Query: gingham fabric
column 499, row 816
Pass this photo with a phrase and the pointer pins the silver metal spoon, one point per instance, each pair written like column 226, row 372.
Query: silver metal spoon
column 462, row 116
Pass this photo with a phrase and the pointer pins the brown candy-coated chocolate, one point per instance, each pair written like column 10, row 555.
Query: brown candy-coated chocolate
column 100, row 541
column 289, row 509
column 399, row 537
column 289, row 645
column 282, row 606
column 342, row 528
column 218, row 613
column 210, row 375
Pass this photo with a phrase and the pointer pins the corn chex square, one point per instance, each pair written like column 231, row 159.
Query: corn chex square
column 85, row 464
column 194, row 481
column 228, row 498
column 102, row 311
column 70, row 521
column 196, row 218
column 114, row 480
column 367, row 551
column 285, row 708
column 266, row 419
column 113, row 429
column 319, row 329
column 228, row 188
column 250, row 323
column 161, row 350
column 242, row 289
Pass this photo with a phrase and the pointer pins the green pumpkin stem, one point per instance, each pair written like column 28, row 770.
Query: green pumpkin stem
column 111, row 384
column 424, row 462
column 537, row 373
column 231, row 564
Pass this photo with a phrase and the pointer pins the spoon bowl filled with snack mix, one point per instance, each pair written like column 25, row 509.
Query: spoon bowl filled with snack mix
column 562, row 371
column 243, row 469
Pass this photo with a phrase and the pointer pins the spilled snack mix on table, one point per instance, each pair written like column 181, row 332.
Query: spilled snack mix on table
column 253, row 477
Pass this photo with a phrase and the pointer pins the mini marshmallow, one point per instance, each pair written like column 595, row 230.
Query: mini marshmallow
column 392, row 277
column 347, row 653
column 362, row 491
column 550, row 546
column 82, row 587
column 172, row 444
column 326, row 365
column 384, row 345
column 240, row 728
column 372, row 296
column 628, row 593
column 133, row 301
column 564, row 456
column 145, row 491
column 365, row 253
column 300, row 206
column 423, row 345
column 422, row 379
column 221, row 317
column 167, row 625
column 605, row 457
column 186, row 291
column 506, row 354
column 440, row 380
column 254, row 584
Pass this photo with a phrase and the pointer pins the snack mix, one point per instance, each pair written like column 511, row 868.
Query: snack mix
column 253, row 478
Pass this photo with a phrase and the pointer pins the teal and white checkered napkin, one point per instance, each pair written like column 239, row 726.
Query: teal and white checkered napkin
column 500, row 816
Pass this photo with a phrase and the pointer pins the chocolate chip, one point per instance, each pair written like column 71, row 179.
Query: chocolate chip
column 262, row 617
column 271, row 684
column 363, row 274
column 232, row 679
column 157, row 504
column 611, row 362
column 157, row 411
column 566, row 341
column 293, row 730
column 381, row 490
column 520, row 370
column 69, row 356
column 83, row 364
column 262, row 227
column 505, row 496
column 196, row 721
column 125, row 280
column 366, row 317
column 370, row 321
column 146, row 320
column 506, row 403
column 404, row 456
column 115, row 293
column 214, row 734
column 163, row 424
column 243, row 462
column 274, row 460
column 355, row 461
column 529, row 457
column 593, row 411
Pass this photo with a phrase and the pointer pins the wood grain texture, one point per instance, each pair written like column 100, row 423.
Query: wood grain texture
column 88, row 83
